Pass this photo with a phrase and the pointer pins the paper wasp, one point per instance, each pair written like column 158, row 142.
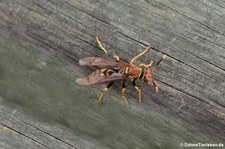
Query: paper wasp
column 111, row 71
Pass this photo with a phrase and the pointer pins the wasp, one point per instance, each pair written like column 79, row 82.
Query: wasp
column 111, row 71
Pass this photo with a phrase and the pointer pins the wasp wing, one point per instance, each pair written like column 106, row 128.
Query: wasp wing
column 95, row 78
column 101, row 62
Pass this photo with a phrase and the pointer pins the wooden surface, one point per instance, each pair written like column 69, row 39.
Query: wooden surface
column 41, row 42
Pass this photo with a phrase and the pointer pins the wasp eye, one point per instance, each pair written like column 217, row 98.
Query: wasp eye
column 145, row 79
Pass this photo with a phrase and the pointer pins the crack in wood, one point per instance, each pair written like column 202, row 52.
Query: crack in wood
column 57, row 138
column 30, row 138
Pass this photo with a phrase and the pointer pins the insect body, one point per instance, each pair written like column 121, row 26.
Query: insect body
column 111, row 71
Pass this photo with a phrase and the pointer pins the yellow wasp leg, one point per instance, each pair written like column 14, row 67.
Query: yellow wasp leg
column 142, row 53
column 156, row 87
column 117, row 58
column 138, row 91
column 100, row 45
column 103, row 91
column 124, row 98
column 122, row 94
column 145, row 65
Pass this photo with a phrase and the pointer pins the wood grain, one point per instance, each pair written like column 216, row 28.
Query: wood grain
column 42, row 41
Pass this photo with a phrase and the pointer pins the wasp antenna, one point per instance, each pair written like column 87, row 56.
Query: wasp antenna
column 164, row 56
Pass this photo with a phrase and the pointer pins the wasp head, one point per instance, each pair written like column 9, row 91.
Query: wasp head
column 147, row 77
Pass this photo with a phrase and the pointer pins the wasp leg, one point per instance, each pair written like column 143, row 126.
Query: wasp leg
column 122, row 94
column 156, row 87
column 138, row 91
column 142, row 53
column 104, row 90
column 100, row 45
column 145, row 65
column 116, row 57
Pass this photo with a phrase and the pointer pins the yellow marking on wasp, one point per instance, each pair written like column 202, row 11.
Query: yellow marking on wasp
column 127, row 70
column 102, row 74
column 103, row 69
column 109, row 72
column 100, row 45
column 105, row 72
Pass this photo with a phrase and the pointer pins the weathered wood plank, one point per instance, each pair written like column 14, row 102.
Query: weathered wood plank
column 34, row 133
column 42, row 41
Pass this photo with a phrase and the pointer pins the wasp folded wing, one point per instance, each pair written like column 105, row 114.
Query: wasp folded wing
column 101, row 62
column 95, row 78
